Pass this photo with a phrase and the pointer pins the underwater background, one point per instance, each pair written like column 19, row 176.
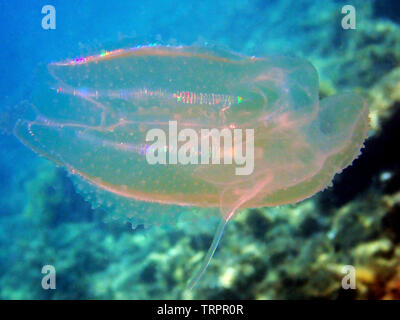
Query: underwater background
column 288, row 252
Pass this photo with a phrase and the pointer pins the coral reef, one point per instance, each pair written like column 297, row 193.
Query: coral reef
column 287, row 252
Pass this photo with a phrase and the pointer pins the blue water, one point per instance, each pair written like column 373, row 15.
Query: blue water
column 44, row 220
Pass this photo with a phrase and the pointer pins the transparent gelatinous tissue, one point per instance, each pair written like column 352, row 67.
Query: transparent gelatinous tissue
column 92, row 116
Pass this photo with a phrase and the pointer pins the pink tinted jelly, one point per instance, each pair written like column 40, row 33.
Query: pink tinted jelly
column 93, row 115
